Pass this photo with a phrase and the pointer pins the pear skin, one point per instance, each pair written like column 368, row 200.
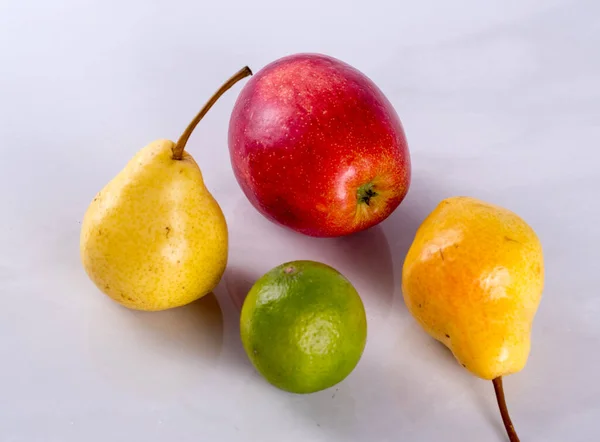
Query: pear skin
column 473, row 279
column 154, row 237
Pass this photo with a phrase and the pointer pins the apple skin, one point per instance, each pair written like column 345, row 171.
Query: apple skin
column 316, row 147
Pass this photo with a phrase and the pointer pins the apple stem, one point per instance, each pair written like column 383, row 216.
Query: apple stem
column 180, row 146
column 510, row 429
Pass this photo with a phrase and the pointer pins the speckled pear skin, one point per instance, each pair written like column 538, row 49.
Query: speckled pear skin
column 155, row 238
column 473, row 279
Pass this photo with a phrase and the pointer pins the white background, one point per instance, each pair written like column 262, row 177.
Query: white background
column 500, row 100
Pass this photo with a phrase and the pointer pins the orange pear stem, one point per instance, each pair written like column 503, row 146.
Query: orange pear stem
column 510, row 429
column 180, row 146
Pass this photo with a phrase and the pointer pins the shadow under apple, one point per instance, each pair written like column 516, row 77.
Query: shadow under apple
column 258, row 245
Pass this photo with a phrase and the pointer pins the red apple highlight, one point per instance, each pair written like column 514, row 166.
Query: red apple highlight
column 316, row 147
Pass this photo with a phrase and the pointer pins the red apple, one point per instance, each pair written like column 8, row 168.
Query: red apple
column 317, row 147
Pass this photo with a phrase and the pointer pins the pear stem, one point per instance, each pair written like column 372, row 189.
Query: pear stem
column 180, row 146
column 510, row 429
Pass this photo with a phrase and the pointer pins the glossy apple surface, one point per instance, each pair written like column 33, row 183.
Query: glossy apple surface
column 317, row 147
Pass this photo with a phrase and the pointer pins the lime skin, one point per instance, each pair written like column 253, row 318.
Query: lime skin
column 303, row 326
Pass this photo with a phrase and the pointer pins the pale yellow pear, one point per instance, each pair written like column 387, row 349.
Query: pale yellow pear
column 154, row 237
column 473, row 279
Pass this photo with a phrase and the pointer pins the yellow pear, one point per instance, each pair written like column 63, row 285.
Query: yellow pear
column 473, row 279
column 154, row 237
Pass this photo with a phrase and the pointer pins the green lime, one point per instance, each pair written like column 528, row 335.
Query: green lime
column 303, row 326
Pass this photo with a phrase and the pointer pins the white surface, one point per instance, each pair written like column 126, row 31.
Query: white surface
column 500, row 100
